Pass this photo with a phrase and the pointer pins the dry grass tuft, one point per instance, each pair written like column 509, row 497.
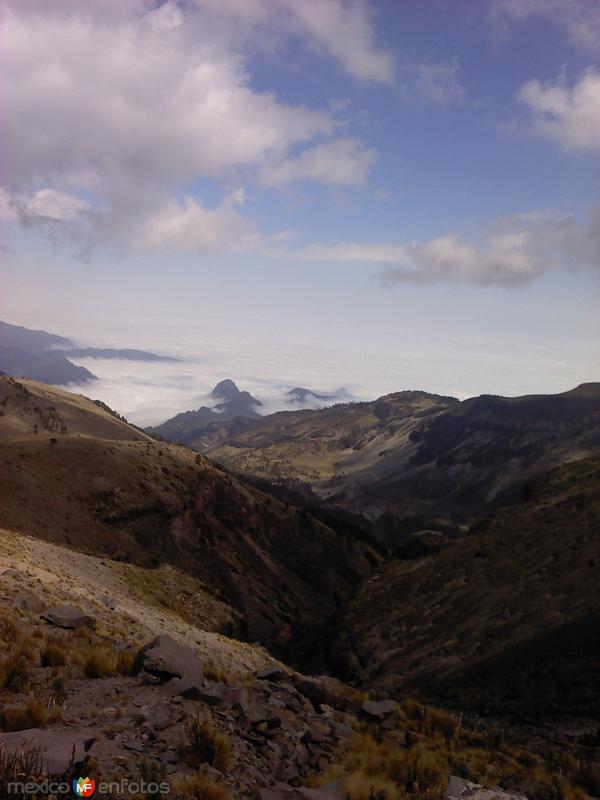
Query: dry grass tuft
column 206, row 744
column 53, row 654
column 14, row 672
column 198, row 787
column 100, row 662
column 20, row 718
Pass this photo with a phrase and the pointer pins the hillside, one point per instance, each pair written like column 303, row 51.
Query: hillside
column 73, row 473
column 34, row 354
column 413, row 460
column 504, row 620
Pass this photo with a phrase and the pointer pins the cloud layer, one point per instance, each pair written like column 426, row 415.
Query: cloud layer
column 517, row 250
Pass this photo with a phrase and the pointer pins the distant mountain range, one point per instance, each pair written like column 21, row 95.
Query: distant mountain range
column 111, row 352
column 189, row 427
column 410, row 460
column 46, row 357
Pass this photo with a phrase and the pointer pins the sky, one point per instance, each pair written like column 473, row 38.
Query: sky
column 380, row 196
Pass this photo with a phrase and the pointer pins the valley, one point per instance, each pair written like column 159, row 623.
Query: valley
column 256, row 568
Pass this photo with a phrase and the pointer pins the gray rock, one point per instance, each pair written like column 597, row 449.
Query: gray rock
column 58, row 749
column 134, row 746
column 317, row 733
column 68, row 617
column 166, row 658
column 324, row 689
column 378, row 709
column 271, row 673
column 28, row 602
column 461, row 789
column 109, row 602
column 332, row 791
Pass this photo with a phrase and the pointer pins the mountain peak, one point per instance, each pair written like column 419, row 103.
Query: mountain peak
column 225, row 390
column 233, row 399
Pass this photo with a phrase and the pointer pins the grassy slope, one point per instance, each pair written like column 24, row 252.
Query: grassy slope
column 506, row 619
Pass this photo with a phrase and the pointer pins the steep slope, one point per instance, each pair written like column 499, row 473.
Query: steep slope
column 505, row 619
column 413, row 460
column 89, row 480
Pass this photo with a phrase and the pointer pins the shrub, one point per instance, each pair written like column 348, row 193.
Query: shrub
column 53, row 654
column 25, row 763
column 20, row 718
column 8, row 631
column 125, row 662
column 15, row 673
column 216, row 673
column 100, row 662
column 57, row 687
column 361, row 787
column 207, row 745
column 198, row 787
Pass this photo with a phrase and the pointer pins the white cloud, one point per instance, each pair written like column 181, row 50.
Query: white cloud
column 517, row 250
column 133, row 103
column 570, row 116
column 51, row 206
column 340, row 162
column 580, row 19
column 188, row 226
column 345, row 30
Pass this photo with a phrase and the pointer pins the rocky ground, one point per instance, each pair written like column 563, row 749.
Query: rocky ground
column 75, row 702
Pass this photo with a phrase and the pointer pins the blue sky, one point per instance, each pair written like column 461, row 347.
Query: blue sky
column 380, row 195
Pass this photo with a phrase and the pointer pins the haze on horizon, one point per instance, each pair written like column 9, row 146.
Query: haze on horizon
column 380, row 196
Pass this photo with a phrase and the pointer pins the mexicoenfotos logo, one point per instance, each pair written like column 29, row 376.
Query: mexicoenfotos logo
column 84, row 787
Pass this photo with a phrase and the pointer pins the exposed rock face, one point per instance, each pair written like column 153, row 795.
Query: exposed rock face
column 68, row 617
column 332, row 791
column 166, row 658
column 460, row 789
column 378, row 709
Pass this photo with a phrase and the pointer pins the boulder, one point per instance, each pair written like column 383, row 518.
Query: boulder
column 323, row 689
column 68, row 617
column 378, row 709
column 271, row 673
column 461, row 789
column 166, row 658
column 58, row 749
column 332, row 791
column 28, row 602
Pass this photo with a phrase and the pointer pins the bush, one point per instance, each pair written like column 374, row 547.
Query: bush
column 207, row 745
column 57, row 687
column 361, row 787
column 213, row 673
column 8, row 631
column 25, row 763
column 20, row 718
column 125, row 662
column 100, row 662
column 198, row 787
column 14, row 673
column 53, row 654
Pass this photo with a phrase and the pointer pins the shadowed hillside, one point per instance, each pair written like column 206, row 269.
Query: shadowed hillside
column 73, row 473
column 504, row 620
